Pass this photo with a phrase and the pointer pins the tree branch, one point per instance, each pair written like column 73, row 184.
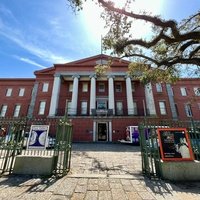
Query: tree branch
column 141, row 56
column 194, row 52
column 169, row 62
column 155, row 20
column 187, row 44
column 189, row 19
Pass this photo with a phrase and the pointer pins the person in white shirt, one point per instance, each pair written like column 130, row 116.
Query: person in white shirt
column 183, row 149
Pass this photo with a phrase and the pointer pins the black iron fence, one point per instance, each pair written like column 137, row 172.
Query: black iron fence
column 15, row 140
column 150, row 146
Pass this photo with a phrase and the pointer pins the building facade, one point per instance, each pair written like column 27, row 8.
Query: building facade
column 99, row 108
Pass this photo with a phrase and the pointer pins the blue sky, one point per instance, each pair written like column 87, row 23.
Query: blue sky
column 35, row 34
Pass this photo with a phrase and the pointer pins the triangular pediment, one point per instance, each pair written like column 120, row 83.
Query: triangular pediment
column 49, row 70
column 85, row 64
column 99, row 59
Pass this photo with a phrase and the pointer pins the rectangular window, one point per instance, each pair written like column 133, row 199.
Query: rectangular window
column 197, row 91
column 69, row 103
column 9, row 92
column 101, row 87
column 21, row 92
column 162, row 108
column 42, row 107
column 118, row 87
column 133, row 87
column 3, row 110
column 119, row 106
column 45, row 87
column 84, row 108
column 183, row 91
column 135, row 108
column 176, row 108
column 70, row 87
column 17, row 110
column 188, row 110
column 101, row 104
column 85, row 87
column 158, row 87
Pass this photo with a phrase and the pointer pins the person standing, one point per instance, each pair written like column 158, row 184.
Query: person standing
column 183, row 149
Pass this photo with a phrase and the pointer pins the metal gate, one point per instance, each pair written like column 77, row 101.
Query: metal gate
column 149, row 143
column 62, row 148
column 11, row 144
column 13, row 139
column 149, row 151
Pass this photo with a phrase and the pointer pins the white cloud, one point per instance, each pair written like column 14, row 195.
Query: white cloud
column 5, row 11
column 34, row 40
column 18, row 37
column 27, row 60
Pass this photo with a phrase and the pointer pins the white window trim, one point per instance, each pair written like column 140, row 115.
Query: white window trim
column 188, row 110
column 21, row 92
column 85, row 87
column 9, row 92
column 135, row 107
column 71, row 87
column 84, row 109
column 45, row 87
column 163, row 110
column 42, row 108
column 183, row 91
column 69, row 103
column 158, row 87
column 17, row 110
column 119, row 111
column 3, row 110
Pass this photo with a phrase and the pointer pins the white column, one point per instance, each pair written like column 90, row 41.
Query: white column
column 111, row 99
column 55, row 95
column 129, row 96
column 74, row 95
column 110, row 131
column 150, row 104
column 92, row 93
column 94, row 131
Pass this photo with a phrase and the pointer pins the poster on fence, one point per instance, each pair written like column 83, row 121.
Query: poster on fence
column 174, row 144
column 38, row 136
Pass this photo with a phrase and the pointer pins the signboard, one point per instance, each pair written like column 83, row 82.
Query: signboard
column 174, row 144
column 38, row 136
column 134, row 134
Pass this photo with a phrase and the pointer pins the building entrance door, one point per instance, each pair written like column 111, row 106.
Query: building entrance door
column 102, row 132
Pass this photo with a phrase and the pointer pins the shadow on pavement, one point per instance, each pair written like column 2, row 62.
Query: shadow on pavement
column 98, row 146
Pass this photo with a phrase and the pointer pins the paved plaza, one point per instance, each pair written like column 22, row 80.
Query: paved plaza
column 98, row 171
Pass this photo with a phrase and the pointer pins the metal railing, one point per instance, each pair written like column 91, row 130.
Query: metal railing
column 103, row 112
column 150, row 149
column 14, row 134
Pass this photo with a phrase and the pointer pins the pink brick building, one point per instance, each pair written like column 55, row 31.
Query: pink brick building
column 100, row 108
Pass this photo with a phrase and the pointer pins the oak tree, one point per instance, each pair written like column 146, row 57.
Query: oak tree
column 171, row 46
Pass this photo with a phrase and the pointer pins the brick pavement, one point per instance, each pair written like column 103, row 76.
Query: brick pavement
column 99, row 171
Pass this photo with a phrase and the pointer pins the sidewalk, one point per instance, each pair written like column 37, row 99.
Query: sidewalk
column 99, row 171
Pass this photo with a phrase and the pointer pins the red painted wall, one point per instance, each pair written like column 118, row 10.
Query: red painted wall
column 15, row 99
column 82, row 129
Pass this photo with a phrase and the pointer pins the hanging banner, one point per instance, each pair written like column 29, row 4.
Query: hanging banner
column 38, row 136
column 174, row 144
